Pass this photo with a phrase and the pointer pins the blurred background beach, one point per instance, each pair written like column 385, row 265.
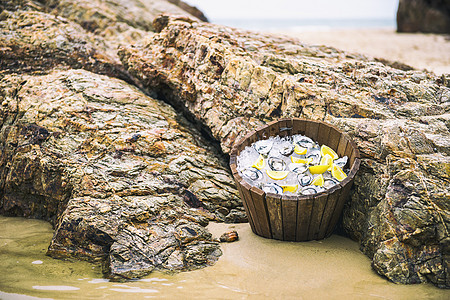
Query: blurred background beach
column 368, row 27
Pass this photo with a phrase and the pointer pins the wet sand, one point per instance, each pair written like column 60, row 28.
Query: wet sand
column 252, row 268
column 418, row 50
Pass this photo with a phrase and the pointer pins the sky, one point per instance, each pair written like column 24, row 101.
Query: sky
column 297, row 9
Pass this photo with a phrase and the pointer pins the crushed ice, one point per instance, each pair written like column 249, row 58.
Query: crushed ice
column 275, row 167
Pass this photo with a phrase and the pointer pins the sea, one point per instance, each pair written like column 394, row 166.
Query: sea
column 306, row 24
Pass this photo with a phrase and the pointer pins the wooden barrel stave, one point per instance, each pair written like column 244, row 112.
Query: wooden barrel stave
column 289, row 216
column 275, row 215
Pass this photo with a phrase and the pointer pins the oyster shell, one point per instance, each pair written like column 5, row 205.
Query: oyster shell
column 329, row 183
column 341, row 162
column 272, row 188
column 304, row 179
column 252, row 174
column 286, row 149
column 303, row 141
column 315, row 155
column 263, row 147
column 298, row 168
column 310, row 190
column 276, row 164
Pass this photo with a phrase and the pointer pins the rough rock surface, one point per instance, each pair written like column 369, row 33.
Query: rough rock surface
column 124, row 179
column 33, row 41
column 423, row 16
column 233, row 80
column 112, row 23
column 118, row 22
column 121, row 171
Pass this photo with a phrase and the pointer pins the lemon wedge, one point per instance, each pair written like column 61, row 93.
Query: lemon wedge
column 259, row 163
column 337, row 173
column 318, row 180
column 324, row 150
column 300, row 150
column 319, row 169
column 326, row 160
column 289, row 188
column 297, row 160
column 277, row 175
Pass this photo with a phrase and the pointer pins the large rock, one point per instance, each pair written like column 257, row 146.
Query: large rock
column 124, row 179
column 423, row 16
column 117, row 171
column 233, row 80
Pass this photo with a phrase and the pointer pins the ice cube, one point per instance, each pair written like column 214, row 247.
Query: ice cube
column 247, row 158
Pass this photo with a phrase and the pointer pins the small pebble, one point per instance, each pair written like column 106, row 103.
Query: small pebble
column 229, row 236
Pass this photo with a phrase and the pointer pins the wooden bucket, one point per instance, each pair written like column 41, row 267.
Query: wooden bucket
column 296, row 218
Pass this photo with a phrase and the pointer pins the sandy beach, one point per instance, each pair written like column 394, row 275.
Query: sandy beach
column 252, row 268
column 418, row 50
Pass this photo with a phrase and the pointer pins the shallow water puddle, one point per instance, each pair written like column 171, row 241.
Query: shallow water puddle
column 252, row 268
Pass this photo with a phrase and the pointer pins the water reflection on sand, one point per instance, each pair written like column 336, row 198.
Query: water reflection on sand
column 252, row 268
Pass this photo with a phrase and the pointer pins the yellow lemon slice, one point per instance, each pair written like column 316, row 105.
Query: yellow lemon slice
column 277, row 175
column 337, row 173
column 324, row 150
column 297, row 160
column 318, row 180
column 259, row 163
column 319, row 169
column 326, row 160
column 289, row 188
column 300, row 150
